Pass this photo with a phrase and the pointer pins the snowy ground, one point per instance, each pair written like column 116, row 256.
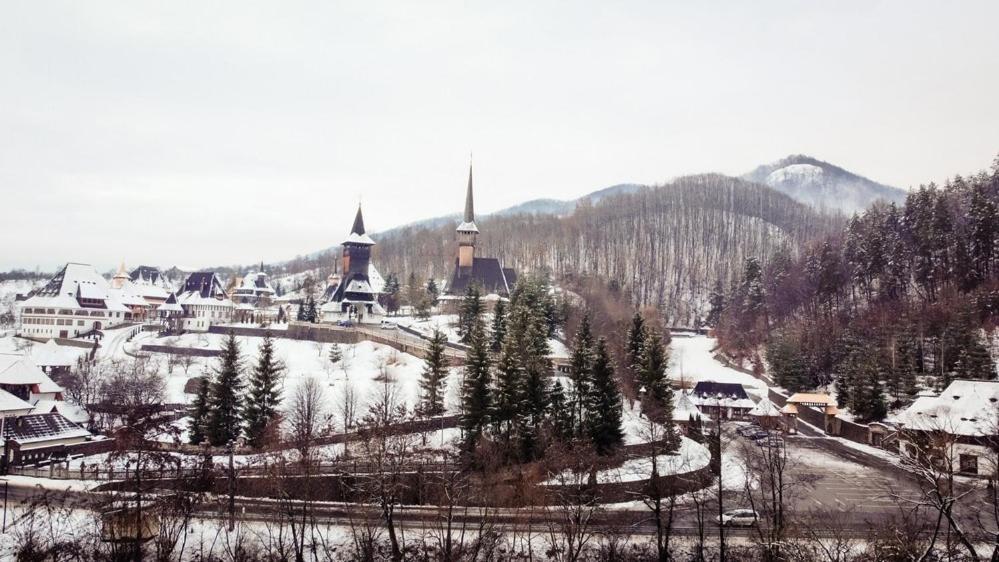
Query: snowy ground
column 691, row 361
column 366, row 366
column 689, row 457
column 447, row 323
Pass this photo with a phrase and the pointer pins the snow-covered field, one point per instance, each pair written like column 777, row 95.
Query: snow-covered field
column 691, row 361
column 365, row 367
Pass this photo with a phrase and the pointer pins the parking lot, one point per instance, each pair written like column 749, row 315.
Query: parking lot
column 827, row 481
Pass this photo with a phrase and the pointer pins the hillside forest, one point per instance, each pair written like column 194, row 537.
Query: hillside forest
column 902, row 298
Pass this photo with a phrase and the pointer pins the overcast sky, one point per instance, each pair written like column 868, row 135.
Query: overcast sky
column 205, row 133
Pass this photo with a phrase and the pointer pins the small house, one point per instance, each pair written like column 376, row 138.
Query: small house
column 722, row 399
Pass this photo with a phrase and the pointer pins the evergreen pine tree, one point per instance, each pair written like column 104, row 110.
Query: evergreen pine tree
column 653, row 369
column 635, row 344
column 470, row 311
column 499, row 326
column 335, row 355
column 581, row 363
column 509, row 381
column 313, row 313
column 559, row 413
column 604, row 403
column 432, row 290
column 200, row 413
column 434, row 376
column 867, row 400
column 537, row 369
column 226, row 396
column 716, row 300
column 475, row 398
column 264, row 397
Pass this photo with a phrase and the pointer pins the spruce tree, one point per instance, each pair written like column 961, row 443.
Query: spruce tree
column 470, row 311
column 434, row 376
column 604, row 403
column 867, row 400
column 716, row 300
column 581, row 363
column 509, row 381
column 200, row 412
column 635, row 344
column 537, row 368
column 475, row 398
column 653, row 369
column 432, row 290
column 264, row 397
column 226, row 396
column 313, row 312
column 335, row 355
column 559, row 413
column 499, row 326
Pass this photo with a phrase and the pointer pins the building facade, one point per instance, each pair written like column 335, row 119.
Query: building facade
column 204, row 302
column 76, row 301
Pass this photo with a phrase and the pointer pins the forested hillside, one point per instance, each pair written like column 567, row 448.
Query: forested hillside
column 904, row 297
column 666, row 245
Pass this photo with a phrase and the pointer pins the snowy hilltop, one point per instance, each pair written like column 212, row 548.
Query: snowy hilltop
column 823, row 185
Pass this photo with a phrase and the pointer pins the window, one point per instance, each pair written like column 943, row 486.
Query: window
column 969, row 464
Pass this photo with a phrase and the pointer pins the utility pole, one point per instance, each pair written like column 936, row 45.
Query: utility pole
column 232, row 485
column 4, row 528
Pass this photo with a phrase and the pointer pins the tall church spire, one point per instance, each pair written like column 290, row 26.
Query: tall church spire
column 358, row 227
column 469, row 205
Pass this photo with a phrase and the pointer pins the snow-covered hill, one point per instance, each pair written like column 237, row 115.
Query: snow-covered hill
column 823, row 185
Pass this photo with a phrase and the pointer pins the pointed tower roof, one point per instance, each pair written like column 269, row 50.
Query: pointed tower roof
column 357, row 234
column 468, row 220
column 119, row 278
column 358, row 227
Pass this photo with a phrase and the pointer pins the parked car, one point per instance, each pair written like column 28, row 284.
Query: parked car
column 737, row 518
column 386, row 325
column 345, row 324
column 747, row 430
column 759, row 434
column 773, row 441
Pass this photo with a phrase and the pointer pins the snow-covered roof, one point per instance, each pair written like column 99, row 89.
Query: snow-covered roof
column 810, row 398
column 467, row 227
column 35, row 428
column 965, row 407
column 75, row 280
column 51, row 354
column 684, row 408
column 765, row 409
column 194, row 298
column 254, row 283
column 71, row 412
column 11, row 403
column 19, row 370
column 129, row 294
column 376, row 279
column 170, row 304
column 361, row 239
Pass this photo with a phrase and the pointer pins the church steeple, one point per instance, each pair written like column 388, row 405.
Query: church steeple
column 467, row 231
column 357, row 247
column 358, row 227
column 469, row 205
column 118, row 281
